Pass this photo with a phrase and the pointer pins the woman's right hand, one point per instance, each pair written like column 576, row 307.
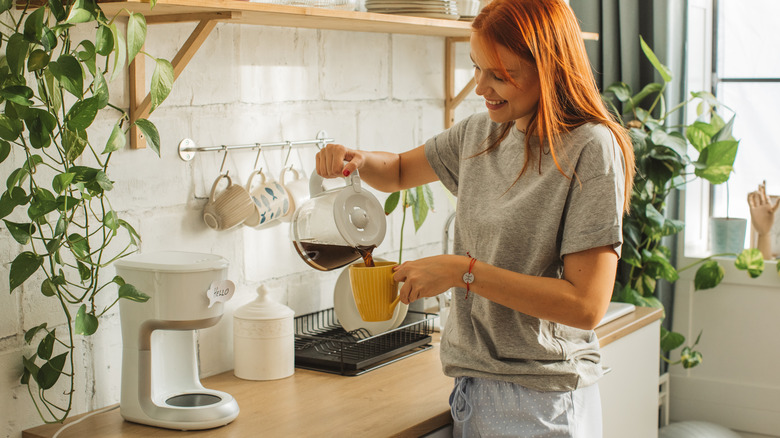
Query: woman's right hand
column 331, row 158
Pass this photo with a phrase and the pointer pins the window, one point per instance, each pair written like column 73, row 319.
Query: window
column 745, row 76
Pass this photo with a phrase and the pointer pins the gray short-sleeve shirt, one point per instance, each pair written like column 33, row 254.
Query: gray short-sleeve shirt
column 527, row 227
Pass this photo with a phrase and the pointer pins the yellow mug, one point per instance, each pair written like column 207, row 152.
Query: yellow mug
column 375, row 291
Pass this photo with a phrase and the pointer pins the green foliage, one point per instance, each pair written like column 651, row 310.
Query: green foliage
column 420, row 199
column 52, row 89
column 667, row 158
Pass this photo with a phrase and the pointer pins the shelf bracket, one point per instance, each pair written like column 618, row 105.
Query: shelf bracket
column 452, row 100
column 140, row 106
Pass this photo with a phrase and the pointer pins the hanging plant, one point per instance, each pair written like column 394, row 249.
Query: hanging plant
column 55, row 204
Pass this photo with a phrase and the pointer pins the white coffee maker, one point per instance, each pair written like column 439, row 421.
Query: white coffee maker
column 160, row 382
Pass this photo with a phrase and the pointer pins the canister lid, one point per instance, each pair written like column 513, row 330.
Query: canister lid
column 263, row 307
column 173, row 261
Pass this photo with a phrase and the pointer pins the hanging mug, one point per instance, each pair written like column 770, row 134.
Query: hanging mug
column 229, row 208
column 270, row 199
column 297, row 190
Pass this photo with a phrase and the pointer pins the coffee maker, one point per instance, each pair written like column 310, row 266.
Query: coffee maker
column 160, row 382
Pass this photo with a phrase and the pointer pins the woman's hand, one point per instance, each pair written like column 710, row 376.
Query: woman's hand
column 331, row 158
column 430, row 276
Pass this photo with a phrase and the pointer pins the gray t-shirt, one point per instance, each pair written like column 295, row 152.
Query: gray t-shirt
column 527, row 227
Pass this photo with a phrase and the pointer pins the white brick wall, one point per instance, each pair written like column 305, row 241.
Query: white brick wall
column 245, row 84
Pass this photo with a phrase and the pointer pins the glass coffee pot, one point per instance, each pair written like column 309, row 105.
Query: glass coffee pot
column 338, row 226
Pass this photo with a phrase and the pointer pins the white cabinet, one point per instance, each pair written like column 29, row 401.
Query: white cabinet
column 629, row 391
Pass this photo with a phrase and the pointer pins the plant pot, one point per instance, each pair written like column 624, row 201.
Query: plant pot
column 727, row 235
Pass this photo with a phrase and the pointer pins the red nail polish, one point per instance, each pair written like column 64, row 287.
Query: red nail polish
column 345, row 172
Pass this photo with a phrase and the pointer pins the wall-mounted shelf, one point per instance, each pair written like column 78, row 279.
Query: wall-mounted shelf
column 209, row 12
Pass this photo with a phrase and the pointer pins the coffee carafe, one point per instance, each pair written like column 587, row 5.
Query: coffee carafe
column 336, row 227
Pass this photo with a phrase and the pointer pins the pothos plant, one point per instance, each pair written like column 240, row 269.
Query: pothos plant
column 668, row 157
column 55, row 204
column 420, row 199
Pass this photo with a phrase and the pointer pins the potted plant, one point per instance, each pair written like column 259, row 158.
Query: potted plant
column 667, row 158
column 56, row 202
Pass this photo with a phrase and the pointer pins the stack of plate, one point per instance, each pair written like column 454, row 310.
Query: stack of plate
column 446, row 9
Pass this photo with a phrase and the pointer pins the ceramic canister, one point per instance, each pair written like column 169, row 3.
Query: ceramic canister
column 263, row 339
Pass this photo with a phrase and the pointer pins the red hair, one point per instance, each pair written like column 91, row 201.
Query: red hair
column 546, row 33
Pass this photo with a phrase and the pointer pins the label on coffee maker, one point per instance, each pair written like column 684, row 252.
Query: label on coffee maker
column 220, row 291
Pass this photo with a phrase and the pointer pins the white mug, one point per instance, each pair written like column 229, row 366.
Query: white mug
column 297, row 190
column 270, row 199
column 228, row 209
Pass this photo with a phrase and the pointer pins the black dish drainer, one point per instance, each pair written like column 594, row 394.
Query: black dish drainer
column 322, row 344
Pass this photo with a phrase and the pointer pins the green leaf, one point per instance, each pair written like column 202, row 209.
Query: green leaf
column 10, row 129
column 392, row 202
column 111, row 220
column 129, row 292
column 671, row 340
column 104, row 40
column 647, row 90
column 86, row 324
column 82, row 114
column 84, row 272
column 673, row 141
column 56, row 8
column 135, row 238
column 621, row 90
column 30, row 334
column 690, row 358
column 33, row 26
column 74, row 143
column 660, row 68
column 150, row 134
column 118, row 280
column 46, row 346
column 16, row 53
column 79, row 15
column 20, row 232
column 67, row 70
column 79, row 245
column 136, row 35
column 30, row 369
column 66, row 203
column 40, row 208
column 51, row 371
column 752, row 261
column 48, row 288
column 162, row 82
column 419, row 208
column 61, row 182
column 7, row 204
column 100, row 90
column 709, row 275
column 18, row 94
column 24, row 265
column 717, row 160
column 6, row 5
column 120, row 52
column 5, row 150
column 102, row 180
column 87, row 56
column 49, row 88
column 116, row 140
column 655, row 218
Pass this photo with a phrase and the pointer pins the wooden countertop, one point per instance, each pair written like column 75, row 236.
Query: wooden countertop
column 407, row 398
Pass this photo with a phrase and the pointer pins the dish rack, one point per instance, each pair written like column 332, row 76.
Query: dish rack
column 321, row 343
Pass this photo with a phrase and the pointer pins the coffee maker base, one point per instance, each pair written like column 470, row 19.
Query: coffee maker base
column 203, row 409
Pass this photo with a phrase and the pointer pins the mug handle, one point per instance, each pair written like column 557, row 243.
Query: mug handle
column 391, row 306
column 251, row 176
column 284, row 172
column 214, row 186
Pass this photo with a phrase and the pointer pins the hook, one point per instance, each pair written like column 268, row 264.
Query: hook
column 222, row 166
column 287, row 157
column 259, row 151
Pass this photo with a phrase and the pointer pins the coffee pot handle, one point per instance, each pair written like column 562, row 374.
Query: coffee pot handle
column 315, row 183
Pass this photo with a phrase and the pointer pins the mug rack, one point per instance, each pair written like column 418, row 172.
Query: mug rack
column 188, row 148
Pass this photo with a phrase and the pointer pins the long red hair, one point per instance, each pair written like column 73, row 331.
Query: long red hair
column 546, row 33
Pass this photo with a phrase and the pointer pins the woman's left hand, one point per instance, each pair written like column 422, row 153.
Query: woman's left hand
column 427, row 277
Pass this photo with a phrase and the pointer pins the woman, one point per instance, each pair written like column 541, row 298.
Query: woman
column 542, row 181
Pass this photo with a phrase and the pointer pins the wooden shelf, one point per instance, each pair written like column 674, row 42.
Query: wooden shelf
column 245, row 12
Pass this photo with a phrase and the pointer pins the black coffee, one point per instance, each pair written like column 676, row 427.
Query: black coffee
column 326, row 257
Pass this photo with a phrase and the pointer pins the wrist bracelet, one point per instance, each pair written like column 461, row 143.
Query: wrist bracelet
column 468, row 277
